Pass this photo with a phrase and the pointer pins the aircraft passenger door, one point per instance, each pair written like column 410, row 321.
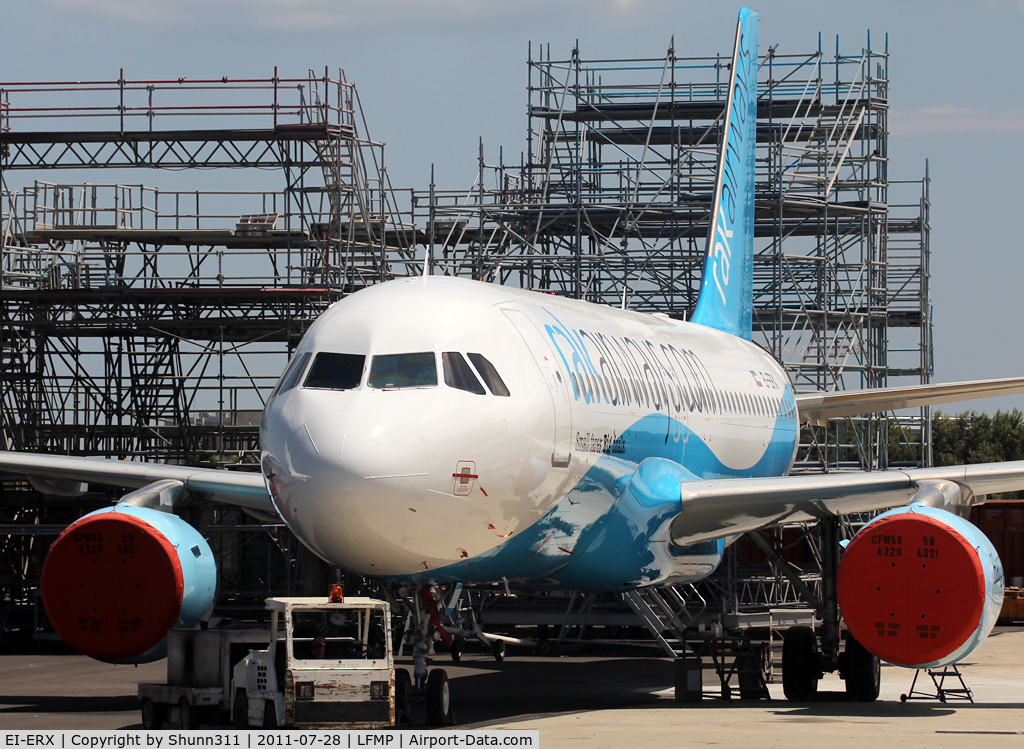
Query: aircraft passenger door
column 558, row 388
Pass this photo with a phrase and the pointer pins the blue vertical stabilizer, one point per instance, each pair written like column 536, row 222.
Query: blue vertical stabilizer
column 725, row 301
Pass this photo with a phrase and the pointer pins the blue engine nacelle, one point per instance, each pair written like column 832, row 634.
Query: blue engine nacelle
column 118, row 579
column 920, row 587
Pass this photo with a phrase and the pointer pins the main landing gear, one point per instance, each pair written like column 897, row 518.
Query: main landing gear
column 801, row 667
column 804, row 662
column 460, row 621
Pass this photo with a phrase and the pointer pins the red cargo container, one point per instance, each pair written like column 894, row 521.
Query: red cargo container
column 1002, row 521
column 787, row 541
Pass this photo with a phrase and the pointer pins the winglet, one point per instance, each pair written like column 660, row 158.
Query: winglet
column 726, row 294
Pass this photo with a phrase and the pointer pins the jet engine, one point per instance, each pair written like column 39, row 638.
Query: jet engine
column 118, row 579
column 920, row 587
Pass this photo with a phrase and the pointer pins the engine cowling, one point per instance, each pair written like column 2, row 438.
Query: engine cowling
column 118, row 579
column 920, row 587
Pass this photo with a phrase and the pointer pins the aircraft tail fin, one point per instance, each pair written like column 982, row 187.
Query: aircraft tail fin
column 725, row 301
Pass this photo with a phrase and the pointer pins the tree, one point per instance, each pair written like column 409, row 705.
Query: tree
column 977, row 438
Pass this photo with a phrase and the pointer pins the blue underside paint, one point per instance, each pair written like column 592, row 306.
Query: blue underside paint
column 608, row 532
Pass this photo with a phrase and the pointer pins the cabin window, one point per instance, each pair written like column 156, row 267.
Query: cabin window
column 491, row 377
column 292, row 373
column 390, row 371
column 458, row 375
column 332, row 371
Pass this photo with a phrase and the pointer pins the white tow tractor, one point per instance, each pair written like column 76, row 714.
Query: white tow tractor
column 329, row 664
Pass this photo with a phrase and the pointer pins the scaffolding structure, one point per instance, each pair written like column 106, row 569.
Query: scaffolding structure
column 611, row 204
column 149, row 319
column 137, row 318
column 150, row 322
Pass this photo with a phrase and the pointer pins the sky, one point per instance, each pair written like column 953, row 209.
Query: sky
column 435, row 76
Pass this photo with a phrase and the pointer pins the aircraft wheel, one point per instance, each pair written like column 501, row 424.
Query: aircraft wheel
column 799, row 663
column 188, row 717
column 499, row 650
column 152, row 715
column 403, row 686
column 456, row 650
column 863, row 672
column 241, row 710
column 439, row 699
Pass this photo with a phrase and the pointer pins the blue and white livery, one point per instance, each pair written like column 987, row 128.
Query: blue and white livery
column 433, row 431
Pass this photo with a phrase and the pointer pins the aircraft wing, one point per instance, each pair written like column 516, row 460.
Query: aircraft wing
column 243, row 489
column 728, row 507
column 815, row 407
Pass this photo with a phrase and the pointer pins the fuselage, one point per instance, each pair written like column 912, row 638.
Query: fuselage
column 438, row 429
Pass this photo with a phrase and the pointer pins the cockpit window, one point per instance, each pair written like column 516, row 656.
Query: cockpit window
column 403, row 371
column 335, row 371
column 457, row 373
column 490, row 375
column 293, row 372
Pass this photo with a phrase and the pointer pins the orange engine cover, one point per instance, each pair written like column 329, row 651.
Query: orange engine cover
column 914, row 586
column 117, row 580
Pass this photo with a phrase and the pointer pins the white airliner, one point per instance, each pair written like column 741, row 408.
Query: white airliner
column 431, row 431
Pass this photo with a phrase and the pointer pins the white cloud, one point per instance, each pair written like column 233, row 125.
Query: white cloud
column 313, row 15
column 147, row 12
column 951, row 118
column 997, row 3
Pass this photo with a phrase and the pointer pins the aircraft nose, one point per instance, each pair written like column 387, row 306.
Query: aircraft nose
column 358, row 478
column 365, row 445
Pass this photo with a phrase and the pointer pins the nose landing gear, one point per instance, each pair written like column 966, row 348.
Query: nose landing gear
column 427, row 689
